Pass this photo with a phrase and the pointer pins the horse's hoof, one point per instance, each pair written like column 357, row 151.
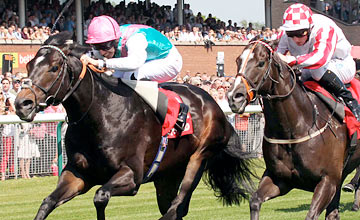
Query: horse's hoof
column 348, row 188
column 355, row 208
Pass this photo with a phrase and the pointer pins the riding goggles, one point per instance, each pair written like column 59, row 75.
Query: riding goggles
column 102, row 47
column 297, row 33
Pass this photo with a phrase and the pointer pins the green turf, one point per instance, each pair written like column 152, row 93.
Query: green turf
column 20, row 200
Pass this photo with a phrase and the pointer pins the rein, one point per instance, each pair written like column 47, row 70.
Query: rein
column 252, row 91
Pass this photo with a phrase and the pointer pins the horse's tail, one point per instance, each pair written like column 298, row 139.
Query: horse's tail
column 229, row 174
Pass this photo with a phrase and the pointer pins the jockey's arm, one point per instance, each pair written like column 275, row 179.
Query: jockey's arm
column 136, row 48
column 137, row 55
column 282, row 49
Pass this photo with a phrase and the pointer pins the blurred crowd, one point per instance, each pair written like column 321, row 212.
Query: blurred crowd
column 41, row 16
column 216, row 86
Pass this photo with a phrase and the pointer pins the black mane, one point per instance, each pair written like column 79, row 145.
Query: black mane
column 59, row 39
column 62, row 40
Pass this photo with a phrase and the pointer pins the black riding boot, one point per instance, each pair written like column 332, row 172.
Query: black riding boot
column 333, row 84
column 181, row 121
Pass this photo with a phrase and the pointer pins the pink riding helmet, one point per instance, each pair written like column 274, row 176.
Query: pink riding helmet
column 102, row 29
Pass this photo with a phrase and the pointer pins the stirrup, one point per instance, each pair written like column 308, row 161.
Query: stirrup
column 181, row 120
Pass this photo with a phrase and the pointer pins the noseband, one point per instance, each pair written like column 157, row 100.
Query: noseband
column 251, row 88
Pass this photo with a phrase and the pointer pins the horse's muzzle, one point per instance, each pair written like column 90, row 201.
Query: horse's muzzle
column 25, row 108
column 237, row 102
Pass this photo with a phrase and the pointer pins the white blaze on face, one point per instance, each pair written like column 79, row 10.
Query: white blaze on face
column 245, row 57
column 38, row 60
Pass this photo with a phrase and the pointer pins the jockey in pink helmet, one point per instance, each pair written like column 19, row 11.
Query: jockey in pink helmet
column 319, row 48
column 132, row 51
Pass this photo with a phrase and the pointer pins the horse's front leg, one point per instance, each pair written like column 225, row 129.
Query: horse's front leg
column 121, row 184
column 69, row 186
column 323, row 194
column 269, row 188
column 332, row 210
column 180, row 205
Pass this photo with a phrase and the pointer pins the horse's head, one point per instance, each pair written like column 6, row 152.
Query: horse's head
column 51, row 73
column 255, row 74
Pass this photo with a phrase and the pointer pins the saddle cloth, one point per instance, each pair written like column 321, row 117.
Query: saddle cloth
column 352, row 124
column 165, row 103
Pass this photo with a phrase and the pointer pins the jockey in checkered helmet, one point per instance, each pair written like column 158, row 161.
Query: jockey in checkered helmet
column 318, row 47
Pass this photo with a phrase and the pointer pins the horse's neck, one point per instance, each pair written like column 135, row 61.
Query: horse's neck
column 94, row 99
column 283, row 116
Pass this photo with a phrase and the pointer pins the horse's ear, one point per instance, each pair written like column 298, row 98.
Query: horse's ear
column 274, row 44
column 238, row 62
column 78, row 50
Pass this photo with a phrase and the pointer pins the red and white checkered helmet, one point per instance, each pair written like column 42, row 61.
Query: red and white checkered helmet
column 297, row 17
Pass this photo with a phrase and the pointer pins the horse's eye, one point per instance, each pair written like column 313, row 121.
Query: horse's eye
column 54, row 69
column 261, row 63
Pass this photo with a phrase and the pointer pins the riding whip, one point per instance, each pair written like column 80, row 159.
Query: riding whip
column 61, row 13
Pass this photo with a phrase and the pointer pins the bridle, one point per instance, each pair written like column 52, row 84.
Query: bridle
column 51, row 99
column 251, row 88
column 253, row 94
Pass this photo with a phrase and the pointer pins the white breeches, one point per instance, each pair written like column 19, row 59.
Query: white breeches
column 160, row 70
column 344, row 69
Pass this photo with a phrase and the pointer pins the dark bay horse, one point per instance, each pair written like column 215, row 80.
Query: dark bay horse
column 113, row 136
column 304, row 147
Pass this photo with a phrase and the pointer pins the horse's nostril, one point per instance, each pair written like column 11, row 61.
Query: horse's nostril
column 27, row 103
column 237, row 97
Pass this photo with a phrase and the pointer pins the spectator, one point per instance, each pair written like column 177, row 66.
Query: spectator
column 25, row 33
column 16, row 86
column 69, row 24
column 251, row 34
column 27, row 149
column 188, row 12
column 3, row 33
column 216, row 83
column 211, row 36
column 226, row 85
column 6, row 86
column 184, row 34
column 195, row 35
column 214, row 93
column 220, row 35
column 179, row 79
column 250, row 27
column 8, row 131
column 230, row 26
column 32, row 33
column 222, row 100
column 206, row 85
column 17, row 33
column 196, row 81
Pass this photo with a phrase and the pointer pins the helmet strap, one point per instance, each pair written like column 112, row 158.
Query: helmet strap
column 308, row 34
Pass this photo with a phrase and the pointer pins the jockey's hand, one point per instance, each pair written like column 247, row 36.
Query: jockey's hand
column 290, row 60
column 88, row 60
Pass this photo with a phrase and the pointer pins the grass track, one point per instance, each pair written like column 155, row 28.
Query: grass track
column 20, row 200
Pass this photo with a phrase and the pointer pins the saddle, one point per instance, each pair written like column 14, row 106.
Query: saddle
column 342, row 112
column 169, row 108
